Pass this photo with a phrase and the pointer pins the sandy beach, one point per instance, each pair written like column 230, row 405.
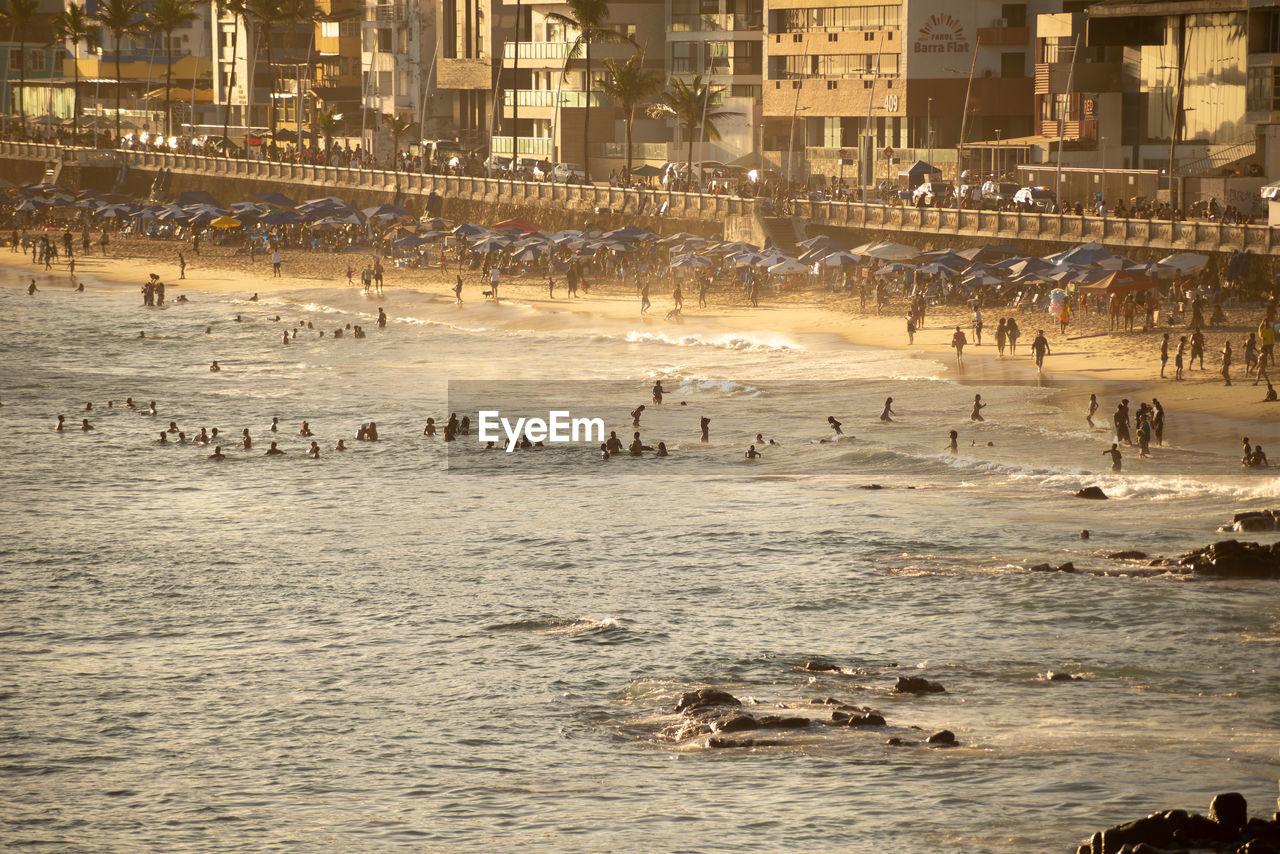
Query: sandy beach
column 1088, row 351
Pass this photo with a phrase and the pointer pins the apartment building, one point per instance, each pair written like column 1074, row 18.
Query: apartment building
column 911, row 78
column 470, row 37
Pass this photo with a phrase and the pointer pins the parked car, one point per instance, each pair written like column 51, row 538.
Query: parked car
column 1035, row 198
column 931, row 191
column 566, row 172
column 996, row 194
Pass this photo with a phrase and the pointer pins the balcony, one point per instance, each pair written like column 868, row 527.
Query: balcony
column 535, row 146
column 536, row 50
column 639, row 150
column 993, row 36
column 384, row 13
column 567, row 98
column 1052, row 77
column 716, row 23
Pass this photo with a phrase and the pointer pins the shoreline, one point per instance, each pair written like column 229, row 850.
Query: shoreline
column 1122, row 363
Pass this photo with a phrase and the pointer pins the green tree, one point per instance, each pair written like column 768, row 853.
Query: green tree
column 629, row 84
column 163, row 18
column 397, row 126
column 690, row 105
column 18, row 14
column 121, row 18
column 71, row 25
column 328, row 123
column 589, row 18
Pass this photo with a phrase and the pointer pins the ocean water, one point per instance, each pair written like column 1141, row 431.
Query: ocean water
column 420, row 647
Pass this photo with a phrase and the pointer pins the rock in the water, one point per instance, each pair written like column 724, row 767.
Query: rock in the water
column 1230, row 810
column 778, row 722
column 871, row 486
column 1093, row 492
column 705, row 698
column 1084, row 535
column 1128, row 555
column 917, row 685
column 1056, row 676
column 1150, row 831
column 737, row 723
column 901, row 742
column 1048, row 567
column 1234, row 559
column 820, row 666
column 742, row 742
column 944, row 738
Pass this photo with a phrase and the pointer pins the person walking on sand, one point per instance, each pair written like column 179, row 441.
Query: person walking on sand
column 677, row 298
column 182, row 266
column 1114, row 453
column 1226, row 363
column 888, row 410
column 978, row 406
column 1178, row 357
column 1040, row 347
column 1266, row 346
column 958, row 341
column 911, row 329
column 457, row 290
column 977, row 326
column 276, row 260
column 1012, row 332
column 1197, row 347
column 1164, row 353
column 644, row 299
column 1000, row 336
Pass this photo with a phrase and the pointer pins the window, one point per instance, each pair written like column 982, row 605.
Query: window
column 384, row 40
column 1014, row 14
column 329, row 29
column 1013, row 64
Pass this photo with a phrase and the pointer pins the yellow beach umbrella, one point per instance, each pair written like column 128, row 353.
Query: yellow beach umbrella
column 225, row 222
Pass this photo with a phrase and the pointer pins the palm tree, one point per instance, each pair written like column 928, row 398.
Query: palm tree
column 122, row 18
column 588, row 17
column 628, row 84
column 236, row 9
column 163, row 18
column 18, row 16
column 328, row 123
column 72, row 25
column 397, row 126
column 688, row 104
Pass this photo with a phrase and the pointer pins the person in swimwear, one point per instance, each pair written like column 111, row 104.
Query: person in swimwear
column 1271, row 394
column 151, row 409
column 275, row 425
column 1093, row 408
column 314, row 451
column 85, row 425
column 635, row 415
column 128, row 403
column 637, row 447
column 164, row 438
column 245, row 441
column 604, row 451
column 613, row 444
column 978, row 406
column 888, row 410
column 705, row 423
column 658, row 392
column 58, row 427
column 213, row 368
column 1114, row 453
column 954, row 446
column 662, row 449
column 173, row 427
column 753, row 454
column 831, row 420
column 217, row 453
column 430, row 429
column 305, row 432
column 182, row 438
column 273, row 451
column 341, row 446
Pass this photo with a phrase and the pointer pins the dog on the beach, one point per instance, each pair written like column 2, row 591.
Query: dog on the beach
column 486, row 293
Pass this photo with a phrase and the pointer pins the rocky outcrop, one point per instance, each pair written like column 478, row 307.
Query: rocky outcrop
column 1253, row 521
column 1234, row 559
column 917, row 685
column 1092, row 492
column 1048, row 567
column 1226, row 828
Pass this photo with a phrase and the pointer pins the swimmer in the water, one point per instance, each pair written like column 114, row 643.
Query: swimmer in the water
column 275, row 425
column 314, row 451
column 85, row 425
column 245, row 441
column 253, row 298
column 217, row 453
column 835, row 425
column 208, row 330
column 173, row 427
column 182, row 438
column 430, row 429
column 31, row 289
column 658, row 392
column 305, row 432
column 88, row 407
column 662, row 449
column 142, row 335
column 888, row 410
column 213, row 435
column 705, row 423
column 604, row 451
column 978, row 406
column 464, row 427
column 953, row 447
column 1114, row 453
column 637, row 447
column 341, row 446
column 58, row 427
column 213, row 368
column 128, row 403
column 753, row 454
column 489, row 446
column 164, row 438
column 635, row 415
column 285, row 338
column 371, row 434
column 151, row 408
column 613, row 443
column 273, row 451
column 203, row 438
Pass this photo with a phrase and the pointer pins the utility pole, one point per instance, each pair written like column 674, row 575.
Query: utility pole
column 515, row 96
column 1179, row 67
column 964, row 112
column 1071, row 73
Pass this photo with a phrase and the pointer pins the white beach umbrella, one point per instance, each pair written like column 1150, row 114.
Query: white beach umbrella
column 790, row 266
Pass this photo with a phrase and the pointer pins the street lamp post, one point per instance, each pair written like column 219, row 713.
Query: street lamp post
column 995, row 158
column 928, row 130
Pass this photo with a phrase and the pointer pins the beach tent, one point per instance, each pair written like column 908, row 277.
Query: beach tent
column 1119, row 283
column 917, row 173
column 470, row 230
column 516, row 224
column 646, row 171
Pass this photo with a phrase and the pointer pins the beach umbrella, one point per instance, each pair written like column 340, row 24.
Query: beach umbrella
column 144, row 214
column 646, row 171
column 198, row 197
column 745, row 259
column 679, row 237
column 491, row 244
column 982, row 280
column 276, row 200
column 690, row 261
column 112, row 211
column 789, row 266
column 31, row 205
column 892, row 252
column 737, row 246
column 1185, row 262
column 282, row 218
column 1057, row 295
column 470, row 230
column 528, row 253
column 988, row 253
column 387, row 211
column 893, row 269
column 936, row 269
column 841, row 259
column 822, row 241
column 516, row 224
column 225, row 222
column 410, row 241
column 171, row 213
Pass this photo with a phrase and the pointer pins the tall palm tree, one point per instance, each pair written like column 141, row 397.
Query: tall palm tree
column 122, row 18
column 589, row 18
column 235, row 8
column 689, row 104
column 397, row 126
column 628, row 84
column 18, row 15
column 72, row 25
column 163, row 18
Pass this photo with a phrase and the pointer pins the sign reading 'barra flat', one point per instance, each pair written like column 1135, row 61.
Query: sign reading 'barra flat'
column 941, row 33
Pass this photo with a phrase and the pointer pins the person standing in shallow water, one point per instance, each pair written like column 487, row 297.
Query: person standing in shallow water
column 958, row 341
column 978, row 406
column 1093, row 409
column 705, row 423
column 888, row 410
column 1114, row 453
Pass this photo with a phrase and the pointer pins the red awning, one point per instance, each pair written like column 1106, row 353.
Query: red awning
column 517, row 223
column 1119, row 283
